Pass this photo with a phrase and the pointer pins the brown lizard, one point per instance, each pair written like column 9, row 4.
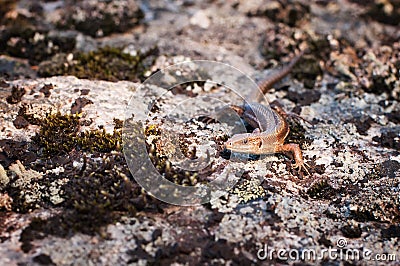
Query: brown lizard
column 271, row 127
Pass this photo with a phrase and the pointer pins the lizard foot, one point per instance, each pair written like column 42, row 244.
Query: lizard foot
column 298, row 156
column 302, row 166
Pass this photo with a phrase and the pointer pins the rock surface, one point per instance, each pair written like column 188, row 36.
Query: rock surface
column 67, row 195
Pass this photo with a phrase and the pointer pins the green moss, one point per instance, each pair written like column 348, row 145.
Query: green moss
column 107, row 63
column 95, row 193
column 163, row 165
column 248, row 190
column 152, row 130
column 94, row 196
column 322, row 190
column 59, row 134
column 95, row 185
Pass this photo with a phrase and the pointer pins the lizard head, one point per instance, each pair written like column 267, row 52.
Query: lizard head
column 244, row 143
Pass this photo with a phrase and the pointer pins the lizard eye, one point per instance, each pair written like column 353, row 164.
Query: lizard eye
column 245, row 141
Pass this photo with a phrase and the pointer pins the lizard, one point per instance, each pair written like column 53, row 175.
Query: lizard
column 271, row 127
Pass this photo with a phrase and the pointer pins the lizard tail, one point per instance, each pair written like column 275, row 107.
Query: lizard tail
column 280, row 74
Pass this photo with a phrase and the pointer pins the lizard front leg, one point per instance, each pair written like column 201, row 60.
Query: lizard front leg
column 298, row 155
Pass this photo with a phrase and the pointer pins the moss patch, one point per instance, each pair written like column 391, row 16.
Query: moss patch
column 97, row 193
column 60, row 134
column 157, row 151
column 321, row 189
column 106, row 63
column 161, row 161
column 248, row 190
column 93, row 187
